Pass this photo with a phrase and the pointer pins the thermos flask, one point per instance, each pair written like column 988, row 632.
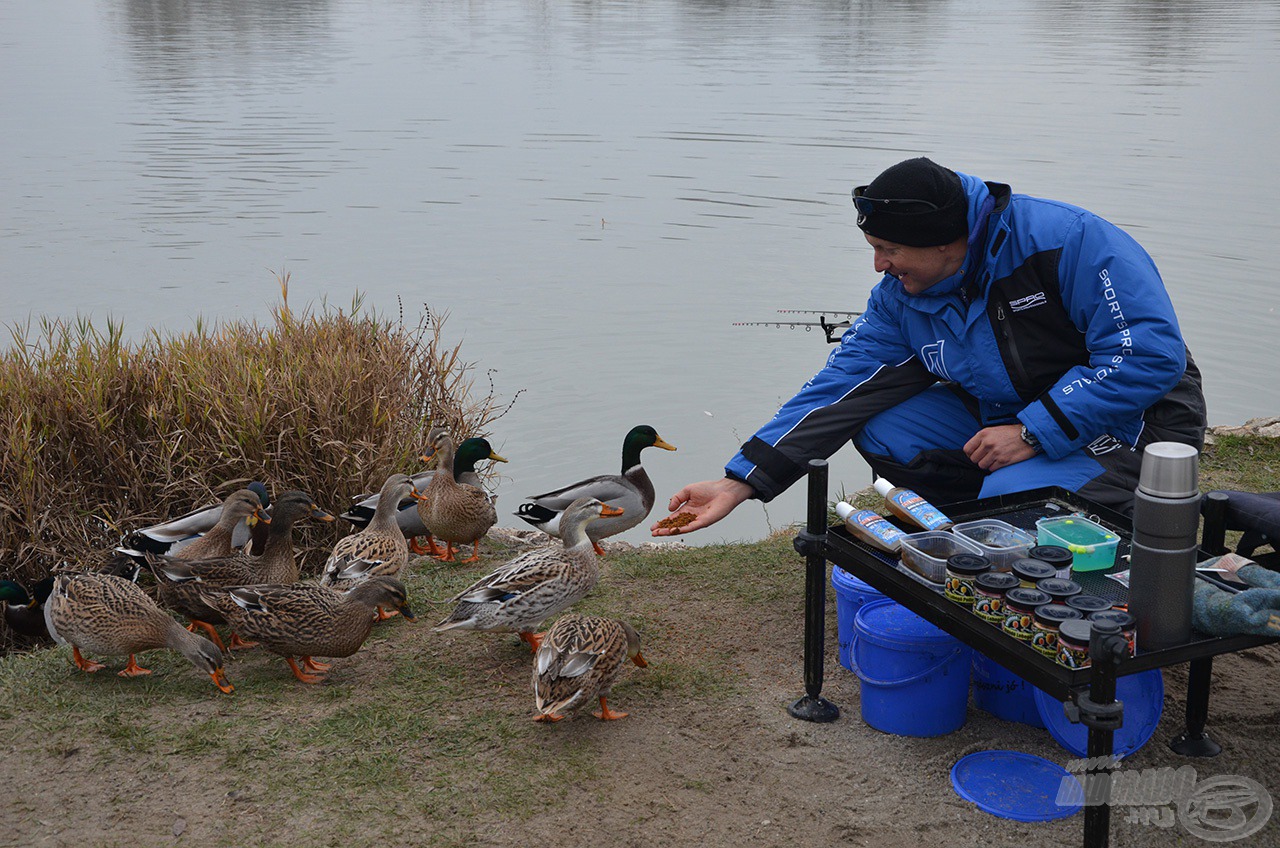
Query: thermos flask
column 1162, row 562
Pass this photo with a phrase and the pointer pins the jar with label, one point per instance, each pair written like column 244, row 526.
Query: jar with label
column 1089, row 604
column 1056, row 555
column 988, row 595
column 1048, row 618
column 1128, row 624
column 1019, row 612
column 961, row 571
column 1031, row 571
column 1073, row 643
column 1059, row 589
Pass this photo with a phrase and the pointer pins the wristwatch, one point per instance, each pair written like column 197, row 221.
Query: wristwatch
column 1031, row 440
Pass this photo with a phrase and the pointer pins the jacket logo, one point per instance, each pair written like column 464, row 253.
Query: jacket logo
column 931, row 356
column 1031, row 301
column 1104, row 444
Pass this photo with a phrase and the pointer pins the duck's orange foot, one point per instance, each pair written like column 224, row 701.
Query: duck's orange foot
column 606, row 714
column 382, row 615
column 312, row 664
column 302, row 675
column 533, row 640
column 83, row 664
column 548, row 718
column 599, row 550
column 448, row 555
column 239, row 644
column 430, row 549
column 133, row 669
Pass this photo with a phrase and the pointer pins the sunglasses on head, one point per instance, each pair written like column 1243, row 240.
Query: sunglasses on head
column 900, row 206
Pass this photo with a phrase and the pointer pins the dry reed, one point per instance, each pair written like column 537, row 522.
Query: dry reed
column 99, row 435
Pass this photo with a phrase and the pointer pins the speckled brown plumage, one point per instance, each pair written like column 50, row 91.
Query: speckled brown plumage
column 309, row 621
column 578, row 661
column 454, row 511
column 104, row 614
column 217, row 542
column 379, row 550
column 520, row 595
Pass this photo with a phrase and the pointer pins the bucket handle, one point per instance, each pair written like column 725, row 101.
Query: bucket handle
column 888, row 684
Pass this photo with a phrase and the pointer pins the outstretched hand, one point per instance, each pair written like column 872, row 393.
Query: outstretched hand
column 708, row 502
column 993, row 448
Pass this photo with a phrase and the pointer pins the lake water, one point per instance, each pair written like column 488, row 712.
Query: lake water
column 597, row 191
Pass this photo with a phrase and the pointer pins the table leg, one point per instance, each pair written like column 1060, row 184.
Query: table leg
column 1196, row 742
column 812, row 706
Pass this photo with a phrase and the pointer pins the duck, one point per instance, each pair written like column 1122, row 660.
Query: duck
column 580, row 658
column 172, row 536
column 179, row 580
column 631, row 491
column 307, row 621
column 106, row 614
column 378, row 550
column 23, row 612
column 522, row 593
column 454, row 511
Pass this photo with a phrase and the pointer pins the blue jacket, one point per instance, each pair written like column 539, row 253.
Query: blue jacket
column 1057, row 319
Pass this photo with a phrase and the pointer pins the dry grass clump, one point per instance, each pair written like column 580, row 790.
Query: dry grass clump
column 99, row 435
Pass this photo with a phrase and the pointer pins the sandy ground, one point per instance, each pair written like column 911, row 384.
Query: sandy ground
column 701, row 769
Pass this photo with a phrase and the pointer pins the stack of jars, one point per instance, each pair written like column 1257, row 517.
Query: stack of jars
column 1032, row 604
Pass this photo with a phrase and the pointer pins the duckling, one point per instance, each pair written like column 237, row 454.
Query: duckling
column 519, row 595
column 380, row 550
column 23, row 613
column 106, row 614
column 631, row 491
column 171, row 536
column 580, row 658
column 307, row 621
column 452, row 510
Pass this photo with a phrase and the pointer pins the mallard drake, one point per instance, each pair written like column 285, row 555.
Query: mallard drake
column 172, row 536
column 105, row 614
column 519, row 595
column 23, row 613
column 308, row 621
column 631, row 491
column 452, row 510
column 180, row 579
column 580, row 658
column 379, row 550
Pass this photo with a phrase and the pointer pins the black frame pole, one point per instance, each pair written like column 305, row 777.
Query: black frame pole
column 810, row 543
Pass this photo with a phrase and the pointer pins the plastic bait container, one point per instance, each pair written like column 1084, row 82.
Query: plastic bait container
column 1093, row 547
column 927, row 553
column 999, row 541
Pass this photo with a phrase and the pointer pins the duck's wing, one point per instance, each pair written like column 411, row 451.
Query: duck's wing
column 605, row 487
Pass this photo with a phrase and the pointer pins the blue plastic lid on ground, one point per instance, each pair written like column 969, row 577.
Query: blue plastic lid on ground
column 1143, row 698
column 1017, row 786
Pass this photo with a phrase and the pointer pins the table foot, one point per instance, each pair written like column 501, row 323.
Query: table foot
column 814, row 708
column 1198, row 745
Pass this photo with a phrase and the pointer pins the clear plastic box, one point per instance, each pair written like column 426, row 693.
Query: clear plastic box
column 1093, row 547
column 926, row 553
column 999, row 541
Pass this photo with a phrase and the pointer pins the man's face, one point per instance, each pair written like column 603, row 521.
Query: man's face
column 917, row 268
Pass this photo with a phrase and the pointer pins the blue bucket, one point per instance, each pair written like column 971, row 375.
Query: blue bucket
column 1002, row 693
column 851, row 594
column 915, row 677
column 1143, row 698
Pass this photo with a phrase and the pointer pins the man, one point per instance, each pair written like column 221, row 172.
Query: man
column 1013, row 343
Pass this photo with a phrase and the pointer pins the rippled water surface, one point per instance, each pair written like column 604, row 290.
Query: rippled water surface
column 597, row 191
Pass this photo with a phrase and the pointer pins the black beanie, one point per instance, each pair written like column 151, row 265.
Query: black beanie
column 915, row 224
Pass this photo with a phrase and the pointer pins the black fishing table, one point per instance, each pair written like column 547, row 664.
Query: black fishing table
column 1088, row 694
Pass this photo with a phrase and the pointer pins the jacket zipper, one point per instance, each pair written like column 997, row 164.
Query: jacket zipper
column 1006, row 331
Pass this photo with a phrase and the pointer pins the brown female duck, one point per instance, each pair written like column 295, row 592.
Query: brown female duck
column 578, row 661
column 105, row 614
column 307, row 621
